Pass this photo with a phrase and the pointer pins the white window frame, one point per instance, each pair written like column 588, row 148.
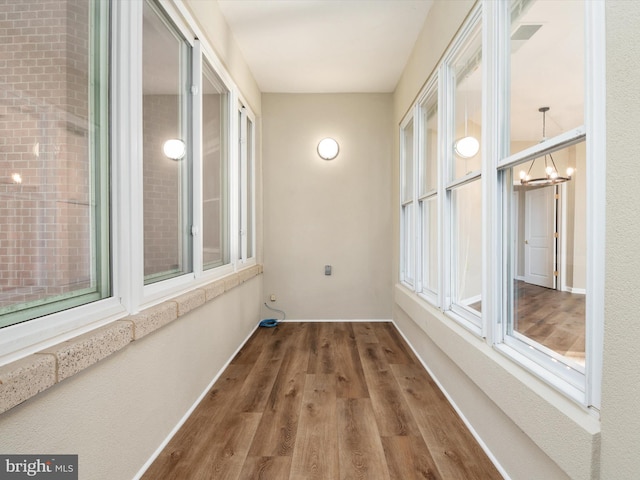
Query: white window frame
column 245, row 175
column 129, row 294
column 466, row 317
column 583, row 387
column 409, row 226
column 429, row 93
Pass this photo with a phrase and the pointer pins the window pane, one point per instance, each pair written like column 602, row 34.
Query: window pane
column 167, row 217
column 467, row 245
column 408, row 255
column 429, row 180
column 547, row 69
column 215, row 121
column 468, row 107
column 250, row 187
column 547, row 258
column 430, row 244
column 54, row 237
column 407, row 161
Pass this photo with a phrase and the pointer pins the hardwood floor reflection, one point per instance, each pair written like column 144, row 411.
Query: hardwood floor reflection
column 553, row 318
column 324, row 401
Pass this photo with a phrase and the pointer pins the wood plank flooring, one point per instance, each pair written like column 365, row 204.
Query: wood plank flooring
column 327, row 401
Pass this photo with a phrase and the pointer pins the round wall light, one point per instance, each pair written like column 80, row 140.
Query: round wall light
column 328, row 148
column 467, row 147
column 174, row 149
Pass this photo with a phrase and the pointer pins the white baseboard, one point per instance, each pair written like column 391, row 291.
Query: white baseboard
column 475, row 434
column 350, row 320
column 188, row 413
column 580, row 291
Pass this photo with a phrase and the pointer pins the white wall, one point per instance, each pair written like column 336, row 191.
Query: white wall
column 321, row 212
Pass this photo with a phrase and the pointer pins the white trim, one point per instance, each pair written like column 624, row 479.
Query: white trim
column 191, row 409
column 595, row 112
column 459, row 411
column 336, row 320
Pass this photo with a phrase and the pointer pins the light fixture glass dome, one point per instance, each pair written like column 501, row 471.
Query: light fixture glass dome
column 467, row 147
column 174, row 149
column 328, row 148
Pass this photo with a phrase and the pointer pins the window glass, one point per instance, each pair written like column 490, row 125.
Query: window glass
column 429, row 178
column 54, row 200
column 547, row 69
column 466, row 245
column 547, row 258
column 250, row 188
column 428, row 193
column 215, row 201
column 430, row 244
column 546, row 197
column 166, row 114
column 468, row 107
column 407, row 164
column 408, row 247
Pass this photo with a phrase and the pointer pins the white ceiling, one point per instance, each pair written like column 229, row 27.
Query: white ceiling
column 321, row 46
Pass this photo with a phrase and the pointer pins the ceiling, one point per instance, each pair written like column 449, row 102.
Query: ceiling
column 326, row 46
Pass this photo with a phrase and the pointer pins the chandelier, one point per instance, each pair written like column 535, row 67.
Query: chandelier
column 552, row 176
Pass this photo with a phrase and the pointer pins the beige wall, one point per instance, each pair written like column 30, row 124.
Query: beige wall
column 321, row 212
column 621, row 380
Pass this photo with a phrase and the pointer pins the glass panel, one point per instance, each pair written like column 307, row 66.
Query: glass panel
column 54, row 200
column 250, row 188
column 430, row 244
column 167, row 218
column 547, row 69
column 215, row 121
column 547, row 258
column 467, row 245
column 468, row 107
column 408, row 247
column 429, row 180
column 407, row 162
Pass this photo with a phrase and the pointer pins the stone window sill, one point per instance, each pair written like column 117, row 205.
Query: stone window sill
column 35, row 373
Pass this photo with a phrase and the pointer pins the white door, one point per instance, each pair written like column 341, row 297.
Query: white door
column 539, row 234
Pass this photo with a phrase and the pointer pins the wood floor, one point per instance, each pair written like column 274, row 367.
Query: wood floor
column 324, row 401
column 552, row 318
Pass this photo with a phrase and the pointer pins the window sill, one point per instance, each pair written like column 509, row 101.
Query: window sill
column 25, row 378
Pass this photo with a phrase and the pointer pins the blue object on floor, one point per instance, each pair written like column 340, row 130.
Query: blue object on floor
column 271, row 322
column 268, row 322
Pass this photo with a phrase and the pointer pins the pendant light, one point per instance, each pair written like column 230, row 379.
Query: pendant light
column 552, row 176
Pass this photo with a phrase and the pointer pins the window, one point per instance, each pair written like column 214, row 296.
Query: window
column 166, row 115
column 428, row 194
column 507, row 238
column 246, row 221
column 407, row 220
column 215, row 169
column 545, row 188
column 54, row 173
column 463, row 180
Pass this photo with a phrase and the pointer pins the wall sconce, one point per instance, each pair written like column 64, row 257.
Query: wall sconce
column 467, row 147
column 328, row 149
column 174, row 149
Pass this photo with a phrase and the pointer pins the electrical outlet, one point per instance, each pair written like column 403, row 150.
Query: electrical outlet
column 327, row 269
column 272, row 297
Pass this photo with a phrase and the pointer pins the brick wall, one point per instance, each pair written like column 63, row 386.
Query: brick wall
column 45, row 235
